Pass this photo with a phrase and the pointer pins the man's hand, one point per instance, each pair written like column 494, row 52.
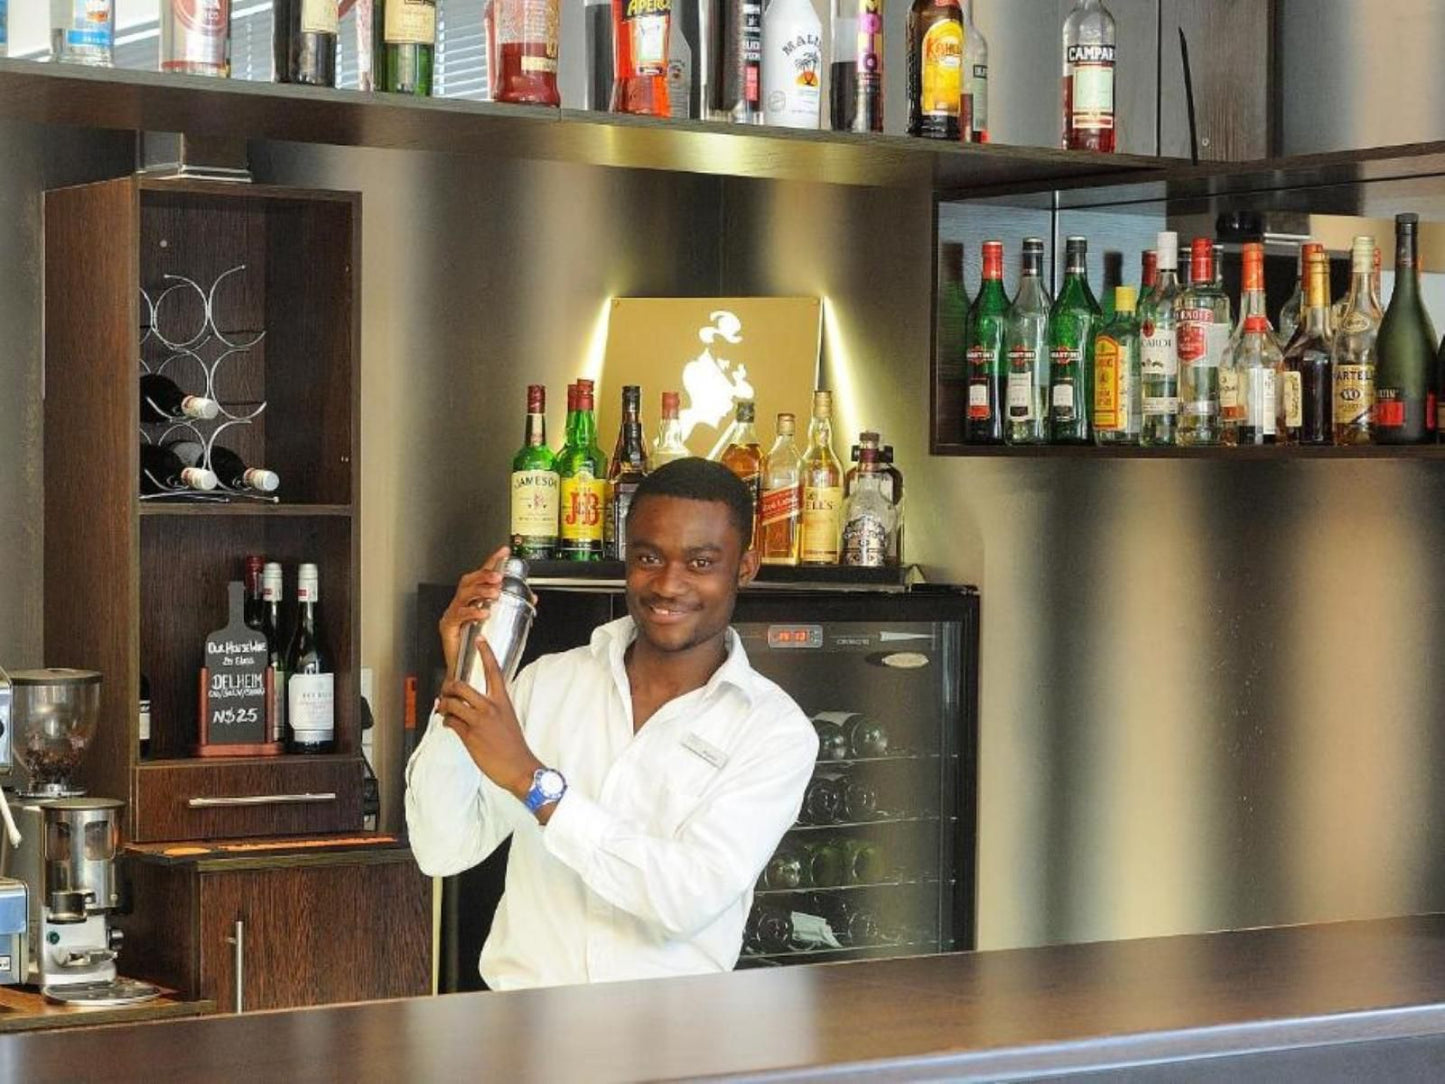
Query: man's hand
column 476, row 591
column 488, row 727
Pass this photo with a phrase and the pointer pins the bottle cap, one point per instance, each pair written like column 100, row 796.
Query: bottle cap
column 787, row 424
column 670, row 400
column 1167, row 245
column 822, row 404
column 1362, row 253
column 307, row 574
column 1126, row 299
column 747, row 410
column 271, row 576
column 536, row 398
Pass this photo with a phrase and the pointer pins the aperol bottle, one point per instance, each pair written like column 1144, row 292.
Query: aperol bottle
column 640, row 31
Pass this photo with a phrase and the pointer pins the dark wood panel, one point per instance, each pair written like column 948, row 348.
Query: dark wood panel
column 160, row 917
column 317, row 935
column 1231, row 58
column 26, row 1009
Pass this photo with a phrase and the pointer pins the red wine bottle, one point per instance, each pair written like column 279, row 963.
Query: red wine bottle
column 230, row 469
column 310, row 674
column 304, row 35
column 162, row 401
column 161, row 471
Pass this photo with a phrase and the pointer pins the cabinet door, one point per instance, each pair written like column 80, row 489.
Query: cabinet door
column 315, row 935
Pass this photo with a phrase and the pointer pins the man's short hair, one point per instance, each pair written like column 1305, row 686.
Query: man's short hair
column 695, row 479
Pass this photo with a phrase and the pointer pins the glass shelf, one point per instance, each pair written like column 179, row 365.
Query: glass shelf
column 903, row 882
column 885, row 819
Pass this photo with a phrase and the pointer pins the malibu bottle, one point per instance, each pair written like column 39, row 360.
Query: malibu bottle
column 1404, row 377
column 1071, row 323
column 984, row 349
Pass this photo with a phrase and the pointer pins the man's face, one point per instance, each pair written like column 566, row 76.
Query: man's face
column 685, row 562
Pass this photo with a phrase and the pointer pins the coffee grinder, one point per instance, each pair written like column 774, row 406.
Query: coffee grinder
column 67, row 843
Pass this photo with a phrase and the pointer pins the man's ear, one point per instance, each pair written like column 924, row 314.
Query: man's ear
column 748, row 567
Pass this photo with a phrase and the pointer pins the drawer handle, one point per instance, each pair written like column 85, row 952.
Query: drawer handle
column 259, row 799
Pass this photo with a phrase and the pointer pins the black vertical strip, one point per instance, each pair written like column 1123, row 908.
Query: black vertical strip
column 1159, row 78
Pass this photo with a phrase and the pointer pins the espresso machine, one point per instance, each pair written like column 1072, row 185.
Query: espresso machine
column 62, row 845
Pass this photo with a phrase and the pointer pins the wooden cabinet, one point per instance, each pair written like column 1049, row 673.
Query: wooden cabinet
column 290, row 930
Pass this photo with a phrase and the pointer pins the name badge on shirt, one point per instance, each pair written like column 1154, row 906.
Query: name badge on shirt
column 709, row 752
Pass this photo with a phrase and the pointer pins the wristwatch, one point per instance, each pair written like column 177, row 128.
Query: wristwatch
column 548, row 786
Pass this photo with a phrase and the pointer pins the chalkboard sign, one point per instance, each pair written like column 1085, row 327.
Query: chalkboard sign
column 235, row 688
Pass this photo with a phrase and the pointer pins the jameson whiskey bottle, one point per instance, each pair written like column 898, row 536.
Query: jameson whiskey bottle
column 781, row 507
column 1158, row 330
column 629, row 466
column 1306, row 391
column 1352, row 355
column 984, row 350
column 534, row 485
column 1404, row 373
column 582, row 473
column 744, row 457
column 1026, row 344
column 935, row 69
column 1203, row 338
column 1071, row 323
column 822, row 488
column 1115, row 363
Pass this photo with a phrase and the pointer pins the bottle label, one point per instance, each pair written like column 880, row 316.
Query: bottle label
column 980, row 409
column 310, row 706
column 781, row 504
column 1201, row 340
column 582, row 507
column 1261, row 408
column 532, row 24
column 865, row 542
column 307, row 592
column 1109, row 409
column 320, row 17
column 975, row 89
column 410, row 22
column 795, row 88
column 1160, row 359
column 1091, row 68
column 679, row 76
column 942, row 64
column 1161, row 405
column 198, row 33
column 1389, row 408
column 645, row 23
column 1230, row 407
column 1021, row 396
column 1292, row 393
column 1065, row 362
column 534, row 503
column 144, row 720
column 822, row 512
column 869, row 64
column 1354, row 395
column 91, row 26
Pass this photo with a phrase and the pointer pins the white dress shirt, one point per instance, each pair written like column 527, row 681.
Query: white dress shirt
column 647, row 865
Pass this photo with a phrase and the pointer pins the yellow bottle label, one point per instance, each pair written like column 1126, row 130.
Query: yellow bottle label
column 320, row 17
column 942, row 64
column 534, row 503
column 1294, row 401
column 1107, row 415
column 411, row 22
column 583, row 502
column 1354, row 395
column 822, row 520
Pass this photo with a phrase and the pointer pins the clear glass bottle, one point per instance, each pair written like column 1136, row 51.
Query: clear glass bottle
column 1307, row 393
column 1026, row 341
column 975, row 79
column 1352, row 355
column 1148, row 276
column 668, row 445
column 1115, row 364
column 870, row 518
column 1259, row 365
column 83, row 32
column 1072, row 319
column 310, row 674
column 822, row 488
column 1203, row 338
column 1088, row 91
column 1252, row 302
column 1159, row 355
column 781, row 507
column 1289, row 314
column 196, row 37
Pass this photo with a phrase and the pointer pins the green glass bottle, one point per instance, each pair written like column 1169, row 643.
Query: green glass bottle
column 404, row 35
column 582, row 469
column 1026, row 341
column 1114, row 361
column 1071, row 323
column 984, row 348
column 535, row 485
column 1405, row 350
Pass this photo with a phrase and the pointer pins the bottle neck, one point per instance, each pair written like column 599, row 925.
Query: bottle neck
column 669, row 433
column 1168, row 279
column 745, row 433
column 1407, row 267
column 536, row 432
column 820, row 433
column 586, row 431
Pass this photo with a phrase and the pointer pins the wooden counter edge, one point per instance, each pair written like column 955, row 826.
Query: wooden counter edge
column 28, row 1010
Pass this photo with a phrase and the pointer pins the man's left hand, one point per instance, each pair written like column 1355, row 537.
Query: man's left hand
column 487, row 724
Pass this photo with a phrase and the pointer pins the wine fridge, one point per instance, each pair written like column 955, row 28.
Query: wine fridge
column 881, row 861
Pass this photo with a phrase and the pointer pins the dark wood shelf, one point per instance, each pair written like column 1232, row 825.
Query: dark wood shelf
column 202, row 763
column 1219, row 454
column 241, row 508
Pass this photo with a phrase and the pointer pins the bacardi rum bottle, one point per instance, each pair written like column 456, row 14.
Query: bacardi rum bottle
column 1089, row 38
column 1148, row 276
column 1352, row 355
column 582, row 470
column 629, row 466
column 1405, row 371
column 781, row 507
column 1026, row 340
column 1204, row 329
column 935, row 69
column 743, row 455
column 870, row 518
column 535, row 485
column 1072, row 320
column 985, row 353
column 822, row 488
column 668, row 446
column 1158, row 329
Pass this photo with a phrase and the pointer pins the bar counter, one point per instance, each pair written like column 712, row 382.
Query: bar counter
column 1339, row 1000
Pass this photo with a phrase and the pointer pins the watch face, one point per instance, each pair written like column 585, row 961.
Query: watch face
column 551, row 784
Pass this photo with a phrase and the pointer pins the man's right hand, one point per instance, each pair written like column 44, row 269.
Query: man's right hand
column 476, row 591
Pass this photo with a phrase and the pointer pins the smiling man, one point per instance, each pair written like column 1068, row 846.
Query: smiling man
column 644, row 779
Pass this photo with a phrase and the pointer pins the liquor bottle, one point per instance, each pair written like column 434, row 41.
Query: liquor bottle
column 1115, row 362
column 1252, row 302
column 404, row 37
column 535, row 485
column 1352, row 354
column 1026, row 346
column 582, row 481
column 669, row 446
column 825, row 863
column 304, row 40
column 832, row 740
column 271, row 626
column 1148, row 276
column 792, row 64
column 974, row 119
column 682, row 102
column 857, row 72
column 984, row 349
column 935, row 69
column 1159, row 356
column 869, row 518
column 522, row 40
column 628, row 468
column 1405, row 369
column 597, row 19
column 893, row 490
column 364, row 18
column 820, row 801
column 785, row 869
column 143, row 709
column 1072, row 320
column 780, row 507
column 822, row 488
column 1307, row 392
column 735, row 61
column 1259, row 366
column 1204, row 330
column 196, row 37
column 83, row 32
column 229, row 468
column 569, row 427
column 864, row 860
column 311, row 676
column 254, row 610
column 161, row 471
column 769, row 930
column 639, row 56
column 162, row 401
column 1089, row 37
column 1289, row 314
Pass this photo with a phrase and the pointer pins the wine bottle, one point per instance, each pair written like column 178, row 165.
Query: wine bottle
column 1072, row 320
column 229, row 468
column 271, row 595
column 254, row 613
column 304, row 38
column 984, row 349
column 1405, row 350
column 864, row 861
column 825, row 864
column 629, row 466
column 867, row 738
column 820, row 801
column 534, row 485
column 404, row 35
column 785, row 870
column 311, row 677
column 852, row 923
column 161, row 471
column 162, row 401
column 769, row 929
column 856, row 800
column 143, row 720
column 1159, row 356
column 832, row 741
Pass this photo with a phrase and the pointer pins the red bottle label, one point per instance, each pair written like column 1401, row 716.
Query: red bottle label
column 1389, row 412
column 1431, row 408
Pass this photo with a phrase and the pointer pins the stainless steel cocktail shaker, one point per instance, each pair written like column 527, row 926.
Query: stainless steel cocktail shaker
column 506, row 629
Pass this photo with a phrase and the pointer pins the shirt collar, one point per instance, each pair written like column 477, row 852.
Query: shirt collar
column 611, row 641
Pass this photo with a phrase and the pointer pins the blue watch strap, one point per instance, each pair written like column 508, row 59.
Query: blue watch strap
column 548, row 785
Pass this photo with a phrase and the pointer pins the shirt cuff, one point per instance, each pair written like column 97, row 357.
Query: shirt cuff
column 576, row 829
